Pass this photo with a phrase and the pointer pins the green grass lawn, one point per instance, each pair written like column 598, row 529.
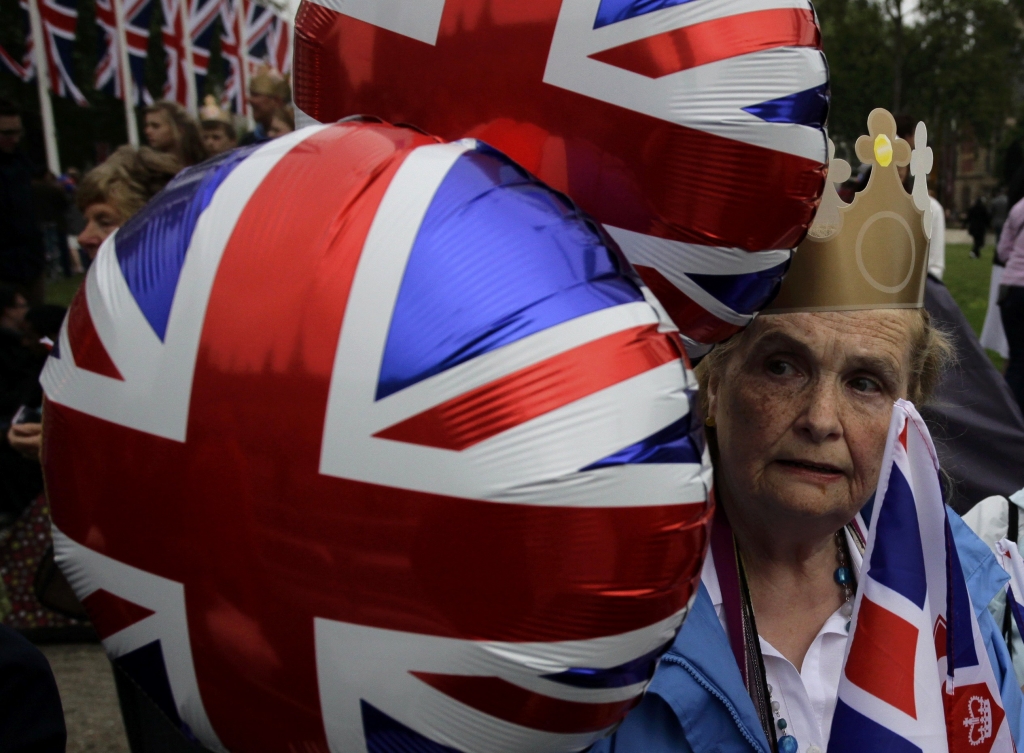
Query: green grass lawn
column 968, row 281
column 966, row 278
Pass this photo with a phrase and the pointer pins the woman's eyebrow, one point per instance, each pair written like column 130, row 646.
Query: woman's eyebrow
column 883, row 367
column 777, row 339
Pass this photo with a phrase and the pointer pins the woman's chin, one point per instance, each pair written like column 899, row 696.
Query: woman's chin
column 807, row 495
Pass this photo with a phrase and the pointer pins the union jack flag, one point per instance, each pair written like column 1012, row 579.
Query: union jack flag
column 203, row 15
column 279, row 46
column 917, row 675
column 488, row 516
column 693, row 131
column 108, row 68
column 234, row 95
column 173, row 33
column 25, row 68
column 260, row 22
column 60, row 17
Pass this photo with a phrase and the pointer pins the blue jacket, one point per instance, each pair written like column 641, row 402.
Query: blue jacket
column 697, row 702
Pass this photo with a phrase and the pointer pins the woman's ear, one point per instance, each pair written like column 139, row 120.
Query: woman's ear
column 712, row 398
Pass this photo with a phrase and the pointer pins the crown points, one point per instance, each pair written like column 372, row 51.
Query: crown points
column 921, row 162
column 828, row 220
column 871, row 253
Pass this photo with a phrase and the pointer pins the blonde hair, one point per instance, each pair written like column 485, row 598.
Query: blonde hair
column 188, row 143
column 128, row 179
column 931, row 352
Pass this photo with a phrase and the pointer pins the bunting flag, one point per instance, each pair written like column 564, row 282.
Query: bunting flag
column 176, row 82
column 232, row 17
column 25, row 68
column 202, row 15
column 917, row 676
column 60, row 17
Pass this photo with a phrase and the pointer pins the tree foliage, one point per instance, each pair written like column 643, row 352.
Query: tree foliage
column 955, row 64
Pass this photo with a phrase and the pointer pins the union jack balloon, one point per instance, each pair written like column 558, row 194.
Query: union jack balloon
column 361, row 441
column 692, row 129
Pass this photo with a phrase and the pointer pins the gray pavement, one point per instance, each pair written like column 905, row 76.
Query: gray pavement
column 86, row 685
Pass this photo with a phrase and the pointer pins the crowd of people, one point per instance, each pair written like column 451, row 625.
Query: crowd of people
column 50, row 226
column 777, row 442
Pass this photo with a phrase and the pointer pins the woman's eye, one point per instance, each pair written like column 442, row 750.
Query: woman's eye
column 780, row 368
column 865, row 384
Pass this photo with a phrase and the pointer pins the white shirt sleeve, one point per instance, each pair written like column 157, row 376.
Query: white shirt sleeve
column 937, row 243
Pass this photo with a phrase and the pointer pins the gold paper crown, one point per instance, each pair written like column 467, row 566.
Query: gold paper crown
column 873, row 252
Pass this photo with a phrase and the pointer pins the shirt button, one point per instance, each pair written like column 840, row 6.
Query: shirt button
column 814, row 749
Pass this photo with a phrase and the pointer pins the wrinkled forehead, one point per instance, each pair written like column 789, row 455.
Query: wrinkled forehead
column 837, row 336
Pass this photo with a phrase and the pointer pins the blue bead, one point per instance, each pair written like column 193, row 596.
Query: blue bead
column 782, row 724
column 843, row 576
column 788, row 744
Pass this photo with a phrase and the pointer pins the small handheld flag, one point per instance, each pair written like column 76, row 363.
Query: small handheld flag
column 917, row 676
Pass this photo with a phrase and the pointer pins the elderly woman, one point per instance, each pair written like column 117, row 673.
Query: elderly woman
column 115, row 190
column 798, row 408
column 108, row 196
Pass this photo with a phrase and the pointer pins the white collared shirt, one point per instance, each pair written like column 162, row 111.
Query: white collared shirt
column 807, row 697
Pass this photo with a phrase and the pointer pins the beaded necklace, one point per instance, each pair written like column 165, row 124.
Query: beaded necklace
column 843, row 577
column 741, row 627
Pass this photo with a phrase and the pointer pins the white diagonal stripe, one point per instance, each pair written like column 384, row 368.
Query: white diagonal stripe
column 679, row 258
column 510, row 358
column 88, row 571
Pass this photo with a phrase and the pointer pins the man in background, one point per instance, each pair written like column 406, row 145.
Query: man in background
column 978, row 220
column 268, row 93
column 22, row 255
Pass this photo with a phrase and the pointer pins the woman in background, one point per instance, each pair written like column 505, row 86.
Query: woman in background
column 108, row 196
column 115, row 190
column 171, row 130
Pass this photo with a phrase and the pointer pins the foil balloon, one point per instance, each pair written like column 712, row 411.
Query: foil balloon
column 361, row 441
column 692, row 130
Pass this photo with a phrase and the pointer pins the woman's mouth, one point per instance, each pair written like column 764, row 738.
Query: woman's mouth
column 803, row 466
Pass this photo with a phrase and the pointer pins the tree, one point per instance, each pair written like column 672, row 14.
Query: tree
column 955, row 64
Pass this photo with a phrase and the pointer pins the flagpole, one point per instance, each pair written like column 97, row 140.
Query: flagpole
column 127, row 82
column 43, row 84
column 191, row 96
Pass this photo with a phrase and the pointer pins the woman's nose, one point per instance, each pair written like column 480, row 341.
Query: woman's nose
column 820, row 418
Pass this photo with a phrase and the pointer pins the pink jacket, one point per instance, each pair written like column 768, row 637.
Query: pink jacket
column 1011, row 246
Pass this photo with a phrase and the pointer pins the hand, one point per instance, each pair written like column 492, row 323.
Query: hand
column 27, row 440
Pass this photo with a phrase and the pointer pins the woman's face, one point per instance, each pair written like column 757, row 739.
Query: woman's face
column 802, row 411
column 100, row 221
column 159, row 131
